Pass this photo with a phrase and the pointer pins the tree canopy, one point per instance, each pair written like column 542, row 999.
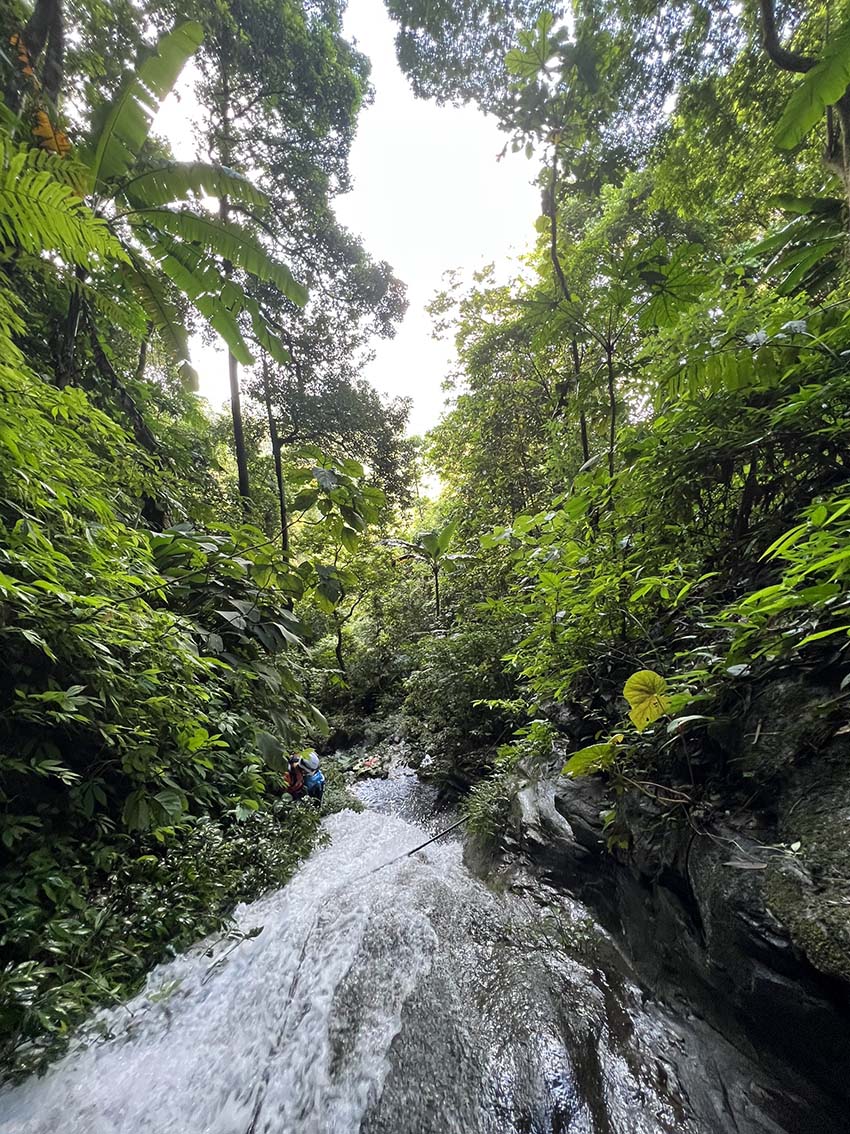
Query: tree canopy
column 631, row 519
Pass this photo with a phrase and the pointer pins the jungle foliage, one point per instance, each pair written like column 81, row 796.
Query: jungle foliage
column 155, row 634
column 645, row 456
column 644, row 506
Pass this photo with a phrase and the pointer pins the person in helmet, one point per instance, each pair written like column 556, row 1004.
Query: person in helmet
column 293, row 778
column 314, row 780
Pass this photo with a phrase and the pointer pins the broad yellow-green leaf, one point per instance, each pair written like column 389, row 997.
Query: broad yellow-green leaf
column 591, row 759
column 646, row 693
column 821, row 87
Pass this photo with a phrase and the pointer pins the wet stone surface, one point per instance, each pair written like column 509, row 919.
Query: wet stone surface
column 406, row 998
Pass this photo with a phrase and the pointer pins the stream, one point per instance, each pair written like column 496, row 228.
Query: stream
column 410, row 999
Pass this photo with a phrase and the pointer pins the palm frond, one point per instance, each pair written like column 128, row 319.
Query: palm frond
column 231, row 242
column 128, row 119
column 193, row 275
column 264, row 333
column 181, row 180
column 164, row 318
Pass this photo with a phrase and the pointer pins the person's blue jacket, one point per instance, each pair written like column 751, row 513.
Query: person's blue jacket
column 314, row 783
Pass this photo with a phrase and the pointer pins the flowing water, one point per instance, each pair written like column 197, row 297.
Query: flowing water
column 405, row 1000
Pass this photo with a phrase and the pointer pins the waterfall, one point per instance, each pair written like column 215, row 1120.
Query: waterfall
column 411, row 999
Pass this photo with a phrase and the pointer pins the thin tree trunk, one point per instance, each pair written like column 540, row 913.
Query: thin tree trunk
column 585, row 447
column 236, row 402
column 143, row 356
column 553, row 231
column 612, row 410
column 65, row 368
column 141, row 429
column 748, row 499
column 437, row 591
column 153, row 511
column 239, row 433
column 612, row 433
column 277, row 445
column 340, row 660
column 226, row 156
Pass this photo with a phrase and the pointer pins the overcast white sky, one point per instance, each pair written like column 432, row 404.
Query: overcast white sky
column 428, row 196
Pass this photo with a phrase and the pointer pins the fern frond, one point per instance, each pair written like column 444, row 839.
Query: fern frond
column 123, row 312
column 68, row 170
column 40, row 212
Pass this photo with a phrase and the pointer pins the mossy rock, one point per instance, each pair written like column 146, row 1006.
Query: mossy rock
column 789, row 721
column 811, row 893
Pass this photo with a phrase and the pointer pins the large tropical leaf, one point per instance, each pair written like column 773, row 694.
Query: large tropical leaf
column 128, row 119
column 672, row 283
column 445, row 536
column 807, row 252
column 164, row 318
column 594, row 758
column 41, row 212
column 181, row 180
column 202, row 285
column 264, row 333
column 821, row 87
column 646, row 692
column 231, row 242
column 536, row 48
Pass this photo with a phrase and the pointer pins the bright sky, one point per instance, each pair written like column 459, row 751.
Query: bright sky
column 428, row 196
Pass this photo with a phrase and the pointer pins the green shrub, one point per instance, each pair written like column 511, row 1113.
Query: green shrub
column 450, row 675
column 83, row 925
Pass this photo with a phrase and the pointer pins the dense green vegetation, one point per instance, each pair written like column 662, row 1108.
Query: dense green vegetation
column 155, row 662
column 644, row 463
column 644, row 468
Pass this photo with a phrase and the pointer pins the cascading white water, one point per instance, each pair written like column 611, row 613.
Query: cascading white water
column 404, row 1000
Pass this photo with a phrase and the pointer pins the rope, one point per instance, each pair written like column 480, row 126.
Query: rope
column 407, row 854
column 262, row 1086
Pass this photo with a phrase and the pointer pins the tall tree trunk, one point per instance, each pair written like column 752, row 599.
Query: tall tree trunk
column 436, row 571
column 45, row 28
column 277, row 446
column 226, row 158
column 239, row 433
column 143, row 355
column 155, row 513
column 612, row 410
column 612, row 434
column 141, row 430
column 553, row 231
column 585, row 447
column 68, row 349
column 340, row 659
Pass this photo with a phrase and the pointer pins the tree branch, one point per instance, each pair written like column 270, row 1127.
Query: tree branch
column 781, row 56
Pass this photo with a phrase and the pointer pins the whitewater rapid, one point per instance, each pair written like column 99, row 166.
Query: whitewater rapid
column 408, row 999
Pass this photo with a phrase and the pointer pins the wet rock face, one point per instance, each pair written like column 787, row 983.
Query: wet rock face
column 758, row 948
